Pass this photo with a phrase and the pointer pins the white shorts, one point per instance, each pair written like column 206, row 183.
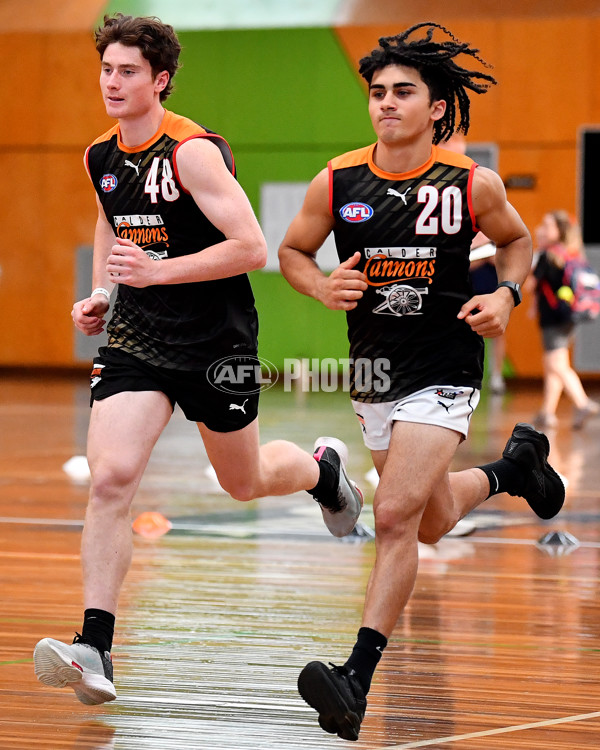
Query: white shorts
column 442, row 405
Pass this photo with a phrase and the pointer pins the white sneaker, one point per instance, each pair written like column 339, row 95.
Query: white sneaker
column 348, row 499
column 78, row 666
column 462, row 528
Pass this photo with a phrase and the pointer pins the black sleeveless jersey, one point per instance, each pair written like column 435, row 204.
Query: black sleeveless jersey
column 186, row 326
column 414, row 232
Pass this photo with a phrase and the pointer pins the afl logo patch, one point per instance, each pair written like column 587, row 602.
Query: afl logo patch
column 355, row 213
column 108, row 183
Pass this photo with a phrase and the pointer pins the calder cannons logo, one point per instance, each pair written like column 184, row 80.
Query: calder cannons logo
column 143, row 230
column 386, row 265
column 242, row 375
column 402, row 276
column 356, row 212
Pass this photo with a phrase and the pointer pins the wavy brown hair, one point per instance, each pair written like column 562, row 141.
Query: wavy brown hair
column 157, row 42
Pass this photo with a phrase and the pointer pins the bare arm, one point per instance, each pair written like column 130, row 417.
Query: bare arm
column 88, row 314
column 307, row 232
column 219, row 196
column 499, row 221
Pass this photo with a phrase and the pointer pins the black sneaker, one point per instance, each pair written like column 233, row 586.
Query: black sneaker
column 337, row 697
column 543, row 489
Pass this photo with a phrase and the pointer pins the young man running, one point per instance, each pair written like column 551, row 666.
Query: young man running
column 176, row 234
column 404, row 213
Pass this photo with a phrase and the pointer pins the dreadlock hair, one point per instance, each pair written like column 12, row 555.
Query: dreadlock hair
column 157, row 42
column 435, row 63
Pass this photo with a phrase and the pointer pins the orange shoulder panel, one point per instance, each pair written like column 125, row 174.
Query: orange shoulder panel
column 106, row 136
column 452, row 158
column 351, row 158
column 179, row 127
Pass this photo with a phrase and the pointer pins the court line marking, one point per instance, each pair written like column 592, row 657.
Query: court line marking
column 42, row 521
column 503, row 730
column 473, row 539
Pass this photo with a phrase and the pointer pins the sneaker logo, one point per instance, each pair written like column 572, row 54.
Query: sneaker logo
column 78, row 666
column 237, row 406
column 539, row 478
column 497, row 482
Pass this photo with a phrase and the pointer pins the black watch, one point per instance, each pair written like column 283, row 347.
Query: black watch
column 514, row 288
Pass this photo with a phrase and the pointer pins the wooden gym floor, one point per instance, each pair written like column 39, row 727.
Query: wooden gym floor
column 498, row 649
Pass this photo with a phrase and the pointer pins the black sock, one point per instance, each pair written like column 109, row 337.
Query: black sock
column 98, row 629
column 365, row 655
column 504, row 475
column 326, row 485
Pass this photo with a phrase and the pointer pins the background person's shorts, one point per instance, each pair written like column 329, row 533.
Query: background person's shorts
column 447, row 406
column 115, row 371
column 557, row 337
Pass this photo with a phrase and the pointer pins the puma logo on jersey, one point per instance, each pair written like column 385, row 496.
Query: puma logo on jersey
column 237, row 406
column 446, row 406
column 135, row 166
column 396, row 194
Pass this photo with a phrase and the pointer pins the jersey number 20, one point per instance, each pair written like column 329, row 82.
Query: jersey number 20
column 451, row 213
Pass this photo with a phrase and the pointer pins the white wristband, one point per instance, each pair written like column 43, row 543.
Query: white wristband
column 101, row 290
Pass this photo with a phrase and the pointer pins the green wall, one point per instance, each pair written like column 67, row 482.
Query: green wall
column 287, row 101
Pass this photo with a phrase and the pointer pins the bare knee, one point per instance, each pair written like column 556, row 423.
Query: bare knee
column 113, row 486
column 432, row 530
column 395, row 518
column 240, row 490
column 243, row 494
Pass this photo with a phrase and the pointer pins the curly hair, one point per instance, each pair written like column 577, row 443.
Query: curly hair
column 435, row 63
column 157, row 42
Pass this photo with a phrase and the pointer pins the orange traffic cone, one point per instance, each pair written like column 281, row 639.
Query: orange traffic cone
column 151, row 524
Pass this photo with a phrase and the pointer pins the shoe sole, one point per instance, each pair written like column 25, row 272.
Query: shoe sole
column 318, row 691
column 332, row 520
column 542, row 509
column 55, row 669
column 582, row 416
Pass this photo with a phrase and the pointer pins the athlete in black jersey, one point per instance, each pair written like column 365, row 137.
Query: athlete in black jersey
column 403, row 213
column 176, row 235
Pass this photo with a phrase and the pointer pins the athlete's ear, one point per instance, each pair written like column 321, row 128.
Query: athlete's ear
column 161, row 81
column 438, row 109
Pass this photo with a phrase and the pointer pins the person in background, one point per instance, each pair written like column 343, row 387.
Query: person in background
column 484, row 280
column 558, row 239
